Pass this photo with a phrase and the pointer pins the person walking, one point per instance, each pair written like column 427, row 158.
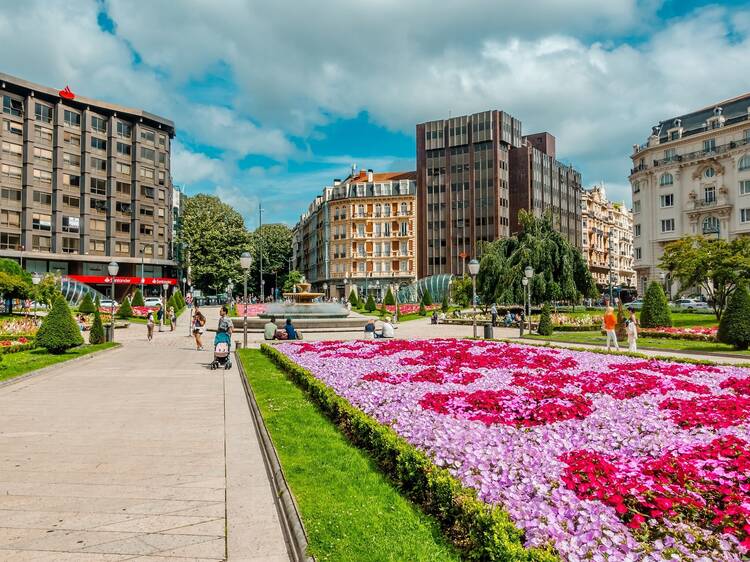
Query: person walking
column 172, row 319
column 198, row 322
column 150, row 326
column 493, row 312
column 632, row 330
column 610, row 322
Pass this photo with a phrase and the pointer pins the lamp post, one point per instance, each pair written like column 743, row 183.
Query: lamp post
column 377, row 290
column 112, row 269
column 528, row 274
column 473, row 270
column 325, row 290
column 346, row 286
column 36, row 279
column 524, row 282
column 183, row 286
column 246, row 261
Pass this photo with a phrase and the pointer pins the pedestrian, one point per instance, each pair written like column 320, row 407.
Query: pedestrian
column 160, row 316
column 198, row 322
column 632, row 330
column 172, row 319
column 225, row 325
column 493, row 312
column 610, row 322
column 150, row 325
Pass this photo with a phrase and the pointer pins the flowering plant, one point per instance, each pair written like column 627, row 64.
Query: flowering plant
column 409, row 308
column 604, row 457
column 696, row 333
column 252, row 309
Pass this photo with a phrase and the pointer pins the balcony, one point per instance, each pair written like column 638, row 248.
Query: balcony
column 698, row 154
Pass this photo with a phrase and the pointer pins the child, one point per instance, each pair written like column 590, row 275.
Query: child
column 631, row 326
column 150, row 326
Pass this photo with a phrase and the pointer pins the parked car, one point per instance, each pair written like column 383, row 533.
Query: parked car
column 637, row 304
column 151, row 301
column 690, row 305
column 108, row 303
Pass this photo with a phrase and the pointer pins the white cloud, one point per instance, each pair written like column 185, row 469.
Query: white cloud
column 190, row 167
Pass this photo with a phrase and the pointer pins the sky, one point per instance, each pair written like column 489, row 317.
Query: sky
column 272, row 100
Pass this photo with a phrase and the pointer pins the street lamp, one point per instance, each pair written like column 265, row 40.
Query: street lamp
column 36, row 279
column 325, row 290
column 473, row 270
column 183, row 286
column 529, row 273
column 524, row 282
column 346, row 287
column 246, row 261
column 112, row 269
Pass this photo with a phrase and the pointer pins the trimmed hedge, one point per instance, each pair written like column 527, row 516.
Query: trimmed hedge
column 427, row 298
column 370, row 304
column 96, row 335
column 125, row 311
column 545, row 321
column 655, row 312
column 389, row 299
column 480, row 530
column 137, row 299
column 734, row 327
column 59, row 331
column 87, row 305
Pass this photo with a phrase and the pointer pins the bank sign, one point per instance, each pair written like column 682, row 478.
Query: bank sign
column 119, row 280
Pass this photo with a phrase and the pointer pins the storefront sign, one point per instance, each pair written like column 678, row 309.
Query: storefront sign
column 107, row 280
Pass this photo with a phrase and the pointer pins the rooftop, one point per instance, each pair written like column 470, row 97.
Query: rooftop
column 732, row 110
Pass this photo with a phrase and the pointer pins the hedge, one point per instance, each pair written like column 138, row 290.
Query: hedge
column 479, row 530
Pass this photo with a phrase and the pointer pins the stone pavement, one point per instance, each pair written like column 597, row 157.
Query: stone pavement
column 140, row 453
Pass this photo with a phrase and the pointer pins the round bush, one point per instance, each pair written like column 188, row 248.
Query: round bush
column 389, row 299
column 125, row 311
column 655, row 312
column 138, row 299
column 427, row 297
column 734, row 327
column 545, row 321
column 87, row 305
column 59, row 331
column 370, row 305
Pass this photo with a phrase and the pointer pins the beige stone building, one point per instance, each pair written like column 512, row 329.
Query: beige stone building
column 692, row 176
column 607, row 238
column 360, row 232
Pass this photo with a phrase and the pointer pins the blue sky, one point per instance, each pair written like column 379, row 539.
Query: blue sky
column 273, row 100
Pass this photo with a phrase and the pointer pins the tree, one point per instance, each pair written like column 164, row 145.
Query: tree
column 389, row 299
column 422, row 309
column 427, row 297
column 179, row 300
column 87, row 305
column 59, row 331
column 214, row 236
column 560, row 270
column 462, row 290
column 137, row 299
column 15, row 283
column 545, row 321
column 734, row 327
column 655, row 312
column 274, row 242
column 716, row 266
column 96, row 335
column 125, row 311
column 370, row 304
column 445, row 307
column 46, row 291
column 98, row 302
column 353, row 299
column 292, row 279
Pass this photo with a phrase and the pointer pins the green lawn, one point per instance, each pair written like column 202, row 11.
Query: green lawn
column 16, row 364
column 654, row 343
column 349, row 509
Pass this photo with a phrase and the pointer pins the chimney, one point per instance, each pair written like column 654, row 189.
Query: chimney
column 336, row 181
column 354, row 170
column 369, row 176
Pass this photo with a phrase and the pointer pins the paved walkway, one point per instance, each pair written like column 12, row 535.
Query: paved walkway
column 141, row 453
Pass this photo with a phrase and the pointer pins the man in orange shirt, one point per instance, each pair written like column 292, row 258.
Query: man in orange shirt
column 610, row 321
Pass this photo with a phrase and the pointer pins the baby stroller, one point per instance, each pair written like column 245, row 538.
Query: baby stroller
column 222, row 345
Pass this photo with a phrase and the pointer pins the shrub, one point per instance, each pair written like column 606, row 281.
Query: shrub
column 427, row 297
column 125, row 311
column 655, row 312
column 620, row 329
column 178, row 300
column 96, row 335
column 422, row 309
column 389, row 299
column 545, row 321
column 59, row 331
column 444, row 306
column 137, row 299
column 97, row 302
column 87, row 305
column 370, row 304
column 734, row 327
column 353, row 299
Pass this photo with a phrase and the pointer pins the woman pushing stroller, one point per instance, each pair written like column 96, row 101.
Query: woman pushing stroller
column 223, row 341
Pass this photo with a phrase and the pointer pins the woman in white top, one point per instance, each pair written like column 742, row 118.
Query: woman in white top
column 388, row 331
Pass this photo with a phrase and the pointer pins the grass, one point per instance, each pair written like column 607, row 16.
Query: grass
column 644, row 342
column 350, row 510
column 16, row 364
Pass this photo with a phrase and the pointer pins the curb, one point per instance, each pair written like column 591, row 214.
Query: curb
column 43, row 370
column 291, row 522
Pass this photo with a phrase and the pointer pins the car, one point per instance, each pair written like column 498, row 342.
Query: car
column 690, row 305
column 108, row 303
column 152, row 301
column 637, row 304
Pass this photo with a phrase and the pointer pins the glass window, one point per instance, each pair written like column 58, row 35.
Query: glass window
column 71, row 201
column 147, row 153
column 71, row 224
column 744, row 163
column 12, row 127
column 71, row 139
column 147, row 229
column 99, row 124
column 12, row 106
column 43, row 133
column 147, row 211
column 124, row 130
column 710, row 225
column 123, row 188
column 98, row 186
column 43, row 113
column 667, row 225
column 96, row 225
column 96, row 246
column 744, row 215
column 70, row 245
column 121, row 207
column 122, row 168
column 12, row 148
column 162, row 178
column 71, row 118
column 8, row 194
column 147, row 191
column 10, row 241
column 147, row 135
column 709, row 145
column 667, row 200
column 99, row 205
column 709, row 194
column 9, row 171
column 72, row 160
column 43, row 176
column 666, row 179
column 40, row 221
column 638, row 253
column 745, row 187
column 10, row 218
column 122, row 227
column 98, row 144
column 637, row 230
column 122, row 247
column 71, row 180
column 42, row 153
column 42, row 198
column 123, row 148
column 98, row 164
column 147, row 173
column 41, row 243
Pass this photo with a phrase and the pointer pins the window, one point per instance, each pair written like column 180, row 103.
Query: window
column 162, row 158
column 42, row 153
column 9, row 171
column 667, row 200
column 147, row 229
column 744, row 163
column 160, row 212
column 162, row 195
column 667, row 225
column 10, row 218
column 98, row 124
column 71, row 118
column 9, row 194
column 71, row 201
column 147, row 211
column 70, row 245
column 72, row 160
column 147, row 191
column 12, row 106
column 10, row 241
column 98, row 186
column 744, row 215
column 147, row 135
column 123, row 208
column 710, row 172
column 42, row 176
column 147, row 153
column 99, row 205
column 71, row 139
column 122, row 227
column 709, row 145
column 638, row 253
column 745, row 187
column 666, row 179
column 123, row 188
column 41, row 243
column 121, row 168
column 124, row 130
column 710, row 225
column 148, row 250
column 12, row 128
column 96, row 246
column 123, row 148
column 709, row 194
column 12, row 149
column 98, row 144
column 43, row 113
column 43, row 133
column 98, row 164
column 636, row 187
column 42, row 198
column 122, row 248
column 147, row 173
column 71, row 224
column 71, row 181
column 670, row 154
column 162, row 140
column 637, row 230
column 96, row 225
column 40, row 221
column 161, row 232
column 162, row 177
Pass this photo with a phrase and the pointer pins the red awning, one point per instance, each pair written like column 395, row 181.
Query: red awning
column 119, row 280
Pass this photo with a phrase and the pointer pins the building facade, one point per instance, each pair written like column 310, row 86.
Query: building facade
column 607, row 240
column 83, row 182
column 462, row 187
column 691, row 177
column 361, row 233
column 540, row 184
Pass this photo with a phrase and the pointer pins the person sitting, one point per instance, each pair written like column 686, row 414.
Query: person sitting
column 370, row 329
column 291, row 333
column 388, row 331
column 508, row 319
column 269, row 330
column 434, row 318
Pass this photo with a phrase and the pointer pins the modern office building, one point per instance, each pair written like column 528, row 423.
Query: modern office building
column 607, row 240
column 82, row 183
column 462, row 187
column 692, row 176
column 539, row 184
column 360, row 232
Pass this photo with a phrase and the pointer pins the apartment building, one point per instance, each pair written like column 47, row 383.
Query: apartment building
column 361, row 233
column 692, row 176
column 84, row 182
column 607, row 241
column 540, row 184
column 462, row 187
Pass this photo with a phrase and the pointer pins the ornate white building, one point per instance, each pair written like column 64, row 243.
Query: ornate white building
column 691, row 177
column 607, row 238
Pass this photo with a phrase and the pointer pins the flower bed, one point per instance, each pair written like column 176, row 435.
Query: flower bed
column 13, row 328
column 693, row 334
column 252, row 309
column 409, row 308
column 15, row 345
column 596, row 456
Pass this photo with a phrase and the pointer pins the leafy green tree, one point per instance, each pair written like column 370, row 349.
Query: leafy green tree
column 87, row 305
column 389, row 299
column 545, row 321
column 274, row 242
column 46, row 291
column 370, row 304
column 655, row 312
column 96, row 335
column 462, row 290
column 560, row 270
column 137, row 299
column 15, row 283
column 125, row 311
column 214, row 236
column 427, row 297
column 716, row 266
column 59, row 331
column 291, row 280
column 734, row 328
column 353, row 299
column 445, row 307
